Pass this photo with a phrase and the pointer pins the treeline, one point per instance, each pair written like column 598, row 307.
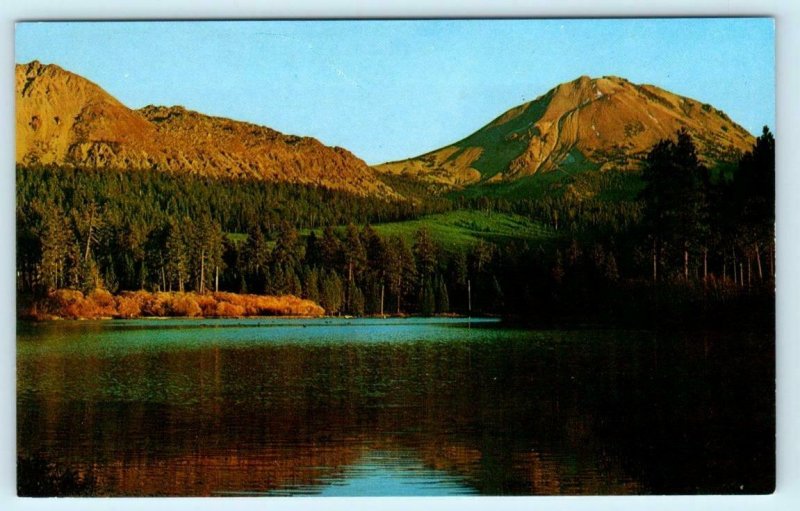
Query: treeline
column 585, row 203
column 151, row 196
column 692, row 245
column 77, row 228
column 698, row 228
column 678, row 237
column 676, row 220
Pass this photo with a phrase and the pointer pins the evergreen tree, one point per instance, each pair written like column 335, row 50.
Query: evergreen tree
column 676, row 202
column 442, row 297
column 54, row 236
column 311, row 289
column 356, row 299
column 753, row 190
column 424, row 254
column 177, row 251
column 287, row 251
column 355, row 256
column 312, row 255
column 427, row 299
column 256, row 259
column 330, row 249
column 401, row 271
column 331, row 293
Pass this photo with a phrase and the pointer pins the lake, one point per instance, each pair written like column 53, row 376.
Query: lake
column 390, row 407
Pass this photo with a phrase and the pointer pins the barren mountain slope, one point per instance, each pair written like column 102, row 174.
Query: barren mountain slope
column 607, row 121
column 63, row 118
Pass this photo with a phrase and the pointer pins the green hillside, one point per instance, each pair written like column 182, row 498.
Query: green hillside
column 454, row 230
column 461, row 229
column 580, row 179
column 504, row 139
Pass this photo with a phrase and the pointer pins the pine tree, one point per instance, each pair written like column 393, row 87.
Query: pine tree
column 256, row 259
column 355, row 256
column 331, row 293
column 54, row 236
column 442, row 297
column 177, row 253
column 753, row 190
column 676, row 202
column 311, row 285
column 427, row 300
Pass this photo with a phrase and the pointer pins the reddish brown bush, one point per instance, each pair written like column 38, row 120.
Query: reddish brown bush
column 128, row 307
column 183, row 304
column 207, row 303
column 67, row 303
column 229, row 310
column 103, row 303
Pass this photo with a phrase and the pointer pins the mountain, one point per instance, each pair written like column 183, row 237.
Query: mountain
column 64, row 119
column 605, row 123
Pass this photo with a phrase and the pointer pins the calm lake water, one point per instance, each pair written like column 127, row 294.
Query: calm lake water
column 393, row 407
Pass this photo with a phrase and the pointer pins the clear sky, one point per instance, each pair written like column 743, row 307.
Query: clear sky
column 389, row 90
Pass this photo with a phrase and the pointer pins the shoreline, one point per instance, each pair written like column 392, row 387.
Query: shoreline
column 265, row 317
column 101, row 305
column 68, row 304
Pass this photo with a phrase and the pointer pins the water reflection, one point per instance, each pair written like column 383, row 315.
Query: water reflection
column 334, row 409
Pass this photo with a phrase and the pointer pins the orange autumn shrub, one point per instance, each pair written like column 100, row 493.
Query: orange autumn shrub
column 207, row 303
column 185, row 305
column 67, row 303
column 103, row 303
column 264, row 305
column 128, row 307
column 156, row 304
column 71, row 304
column 229, row 310
column 137, row 300
column 239, row 301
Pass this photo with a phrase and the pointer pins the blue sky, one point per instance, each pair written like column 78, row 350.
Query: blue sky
column 388, row 90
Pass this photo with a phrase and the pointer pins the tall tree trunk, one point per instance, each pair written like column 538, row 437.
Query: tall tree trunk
column 469, row 296
column 216, row 278
column 748, row 271
column 772, row 259
column 685, row 263
column 741, row 275
column 735, row 269
column 202, row 285
column 382, row 288
column 758, row 262
column 655, row 263
column 399, row 292
column 705, row 264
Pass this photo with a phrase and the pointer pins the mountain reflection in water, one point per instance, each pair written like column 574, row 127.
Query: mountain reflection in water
column 395, row 407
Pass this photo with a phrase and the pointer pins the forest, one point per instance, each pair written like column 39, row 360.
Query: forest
column 675, row 239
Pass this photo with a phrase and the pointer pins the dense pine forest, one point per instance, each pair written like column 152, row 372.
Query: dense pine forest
column 674, row 239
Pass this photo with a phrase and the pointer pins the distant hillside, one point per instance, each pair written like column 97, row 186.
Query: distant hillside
column 598, row 123
column 63, row 118
column 460, row 230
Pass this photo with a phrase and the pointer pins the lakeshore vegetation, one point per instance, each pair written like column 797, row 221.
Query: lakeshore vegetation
column 674, row 238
